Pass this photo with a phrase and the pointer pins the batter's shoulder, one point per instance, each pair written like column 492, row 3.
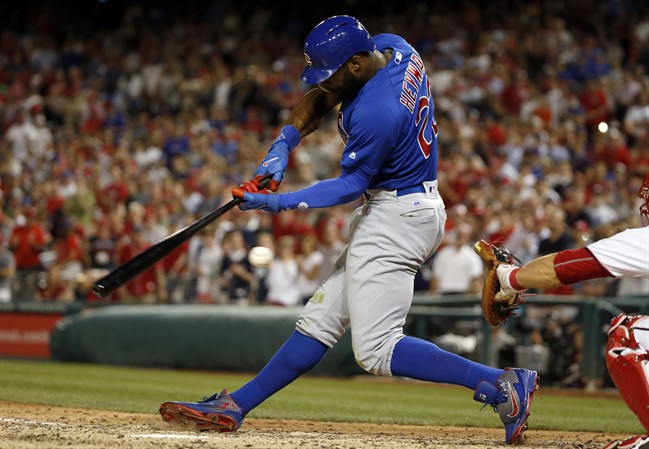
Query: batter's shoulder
column 386, row 41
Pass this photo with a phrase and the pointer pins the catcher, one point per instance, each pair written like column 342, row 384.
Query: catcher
column 625, row 254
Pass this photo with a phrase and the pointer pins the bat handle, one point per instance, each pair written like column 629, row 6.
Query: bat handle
column 265, row 181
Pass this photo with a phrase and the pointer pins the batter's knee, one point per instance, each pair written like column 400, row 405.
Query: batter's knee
column 329, row 336
column 374, row 357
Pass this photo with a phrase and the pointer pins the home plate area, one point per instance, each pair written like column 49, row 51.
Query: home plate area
column 32, row 426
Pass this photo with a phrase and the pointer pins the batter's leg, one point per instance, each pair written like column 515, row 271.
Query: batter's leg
column 319, row 327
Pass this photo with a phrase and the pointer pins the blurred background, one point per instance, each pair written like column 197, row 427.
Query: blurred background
column 122, row 122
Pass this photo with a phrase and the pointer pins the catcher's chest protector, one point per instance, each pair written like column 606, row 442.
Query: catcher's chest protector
column 628, row 362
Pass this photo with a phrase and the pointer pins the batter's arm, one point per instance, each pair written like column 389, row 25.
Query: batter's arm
column 304, row 118
column 307, row 115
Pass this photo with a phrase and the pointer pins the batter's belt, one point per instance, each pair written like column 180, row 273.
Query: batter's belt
column 427, row 187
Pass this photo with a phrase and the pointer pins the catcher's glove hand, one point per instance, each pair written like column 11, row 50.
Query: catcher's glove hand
column 496, row 305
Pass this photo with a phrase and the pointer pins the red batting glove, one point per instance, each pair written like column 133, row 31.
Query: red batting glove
column 274, row 185
column 251, row 186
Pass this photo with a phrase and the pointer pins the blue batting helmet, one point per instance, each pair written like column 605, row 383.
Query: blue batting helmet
column 332, row 42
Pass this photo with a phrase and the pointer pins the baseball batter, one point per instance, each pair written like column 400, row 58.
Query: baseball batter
column 624, row 254
column 386, row 120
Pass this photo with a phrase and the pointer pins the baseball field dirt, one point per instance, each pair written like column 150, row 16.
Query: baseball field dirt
column 31, row 426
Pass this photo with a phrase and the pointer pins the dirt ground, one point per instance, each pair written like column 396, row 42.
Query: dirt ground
column 28, row 426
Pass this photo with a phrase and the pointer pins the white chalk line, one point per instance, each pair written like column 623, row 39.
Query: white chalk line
column 30, row 421
column 169, row 435
column 58, row 424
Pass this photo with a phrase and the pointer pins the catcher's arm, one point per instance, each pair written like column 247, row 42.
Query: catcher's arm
column 496, row 305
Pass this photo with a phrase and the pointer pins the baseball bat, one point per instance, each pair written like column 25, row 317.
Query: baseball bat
column 131, row 268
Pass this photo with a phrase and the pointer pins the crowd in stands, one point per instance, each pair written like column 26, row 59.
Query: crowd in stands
column 117, row 135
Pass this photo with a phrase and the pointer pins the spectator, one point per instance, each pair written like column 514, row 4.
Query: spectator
column 457, row 269
column 556, row 238
column 54, row 287
column 148, row 286
column 310, row 261
column 559, row 333
column 600, row 208
column 80, row 206
column 283, row 275
column 237, row 277
column 175, row 269
column 101, row 247
column 556, row 235
column 208, row 267
column 7, row 273
column 115, row 192
column 23, row 137
column 71, row 252
column 636, row 117
column 595, row 103
column 331, row 246
column 29, row 239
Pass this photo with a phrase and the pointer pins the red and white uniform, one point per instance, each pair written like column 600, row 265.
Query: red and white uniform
column 627, row 360
column 624, row 254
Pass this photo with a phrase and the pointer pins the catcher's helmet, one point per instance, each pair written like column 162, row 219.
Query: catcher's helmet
column 332, row 42
column 644, row 194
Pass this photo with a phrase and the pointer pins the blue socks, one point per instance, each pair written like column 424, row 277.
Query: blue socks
column 422, row 360
column 296, row 356
column 412, row 357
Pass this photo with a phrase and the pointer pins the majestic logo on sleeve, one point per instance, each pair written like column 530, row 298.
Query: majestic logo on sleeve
column 308, row 60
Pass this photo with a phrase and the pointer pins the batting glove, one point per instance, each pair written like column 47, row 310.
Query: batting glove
column 251, row 186
column 263, row 201
column 276, row 161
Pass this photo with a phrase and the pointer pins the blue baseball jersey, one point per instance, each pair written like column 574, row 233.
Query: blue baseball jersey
column 389, row 131
column 389, row 128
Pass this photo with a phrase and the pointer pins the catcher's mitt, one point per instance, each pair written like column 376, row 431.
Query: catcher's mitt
column 496, row 305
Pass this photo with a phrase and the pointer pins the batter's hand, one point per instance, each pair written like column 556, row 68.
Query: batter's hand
column 275, row 163
column 251, row 186
column 263, row 201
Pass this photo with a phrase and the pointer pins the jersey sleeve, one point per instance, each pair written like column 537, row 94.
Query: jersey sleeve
column 386, row 41
column 366, row 151
column 370, row 144
column 331, row 192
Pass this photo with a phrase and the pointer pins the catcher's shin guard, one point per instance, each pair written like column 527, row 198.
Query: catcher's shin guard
column 634, row 442
column 628, row 362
